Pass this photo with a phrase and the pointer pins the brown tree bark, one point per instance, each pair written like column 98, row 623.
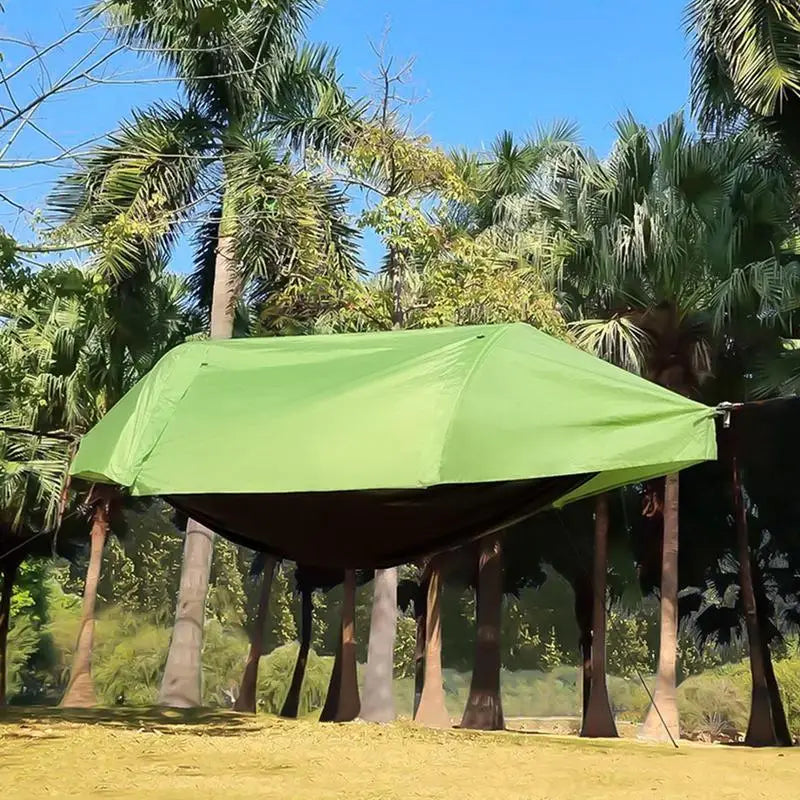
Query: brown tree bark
column 182, row 682
column 432, row 711
column 246, row 701
column 484, row 709
column 779, row 720
column 760, row 727
column 291, row 705
column 80, row 690
column 420, row 614
column 342, row 703
column 377, row 703
column 9, row 568
column 665, row 696
column 583, row 617
column 599, row 721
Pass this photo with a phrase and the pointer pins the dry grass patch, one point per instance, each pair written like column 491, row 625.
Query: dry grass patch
column 148, row 754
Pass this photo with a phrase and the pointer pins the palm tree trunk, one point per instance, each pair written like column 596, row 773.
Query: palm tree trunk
column 225, row 291
column 378, row 697
column 599, row 721
column 420, row 614
column 80, row 690
column 9, row 567
column 432, row 711
column 779, row 720
column 760, row 728
column 246, row 701
column 182, row 681
column 484, row 709
column 291, row 705
column 665, row 696
column 583, row 617
column 342, row 703
column 182, row 684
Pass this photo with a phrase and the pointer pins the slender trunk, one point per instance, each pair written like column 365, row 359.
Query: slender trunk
column 760, row 728
column 599, row 721
column 378, row 696
column 432, row 711
column 396, row 279
column 665, row 695
column 225, row 291
column 9, row 567
column 779, row 720
column 246, row 701
column 583, row 617
column 291, row 705
column 484, row 710
column 182, row 684
column 80, row 690
column 342, row 703
column 420, row 613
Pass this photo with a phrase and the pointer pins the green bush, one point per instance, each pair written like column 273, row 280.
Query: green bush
column 275, row 675
column 129, row 659
column 714, row 705
column 23, row 643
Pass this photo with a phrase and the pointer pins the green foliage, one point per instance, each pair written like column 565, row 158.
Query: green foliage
column 715, row 704
column 128, row 658
column 24, row 640
column 275, row 676
column 552, row 656
column 627, row 648
column 404, row 647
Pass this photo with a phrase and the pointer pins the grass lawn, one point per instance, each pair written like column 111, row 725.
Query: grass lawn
column 147, row 754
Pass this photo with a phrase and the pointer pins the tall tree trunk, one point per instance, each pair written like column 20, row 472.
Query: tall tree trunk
column 291, row 705
column 599, row 721
column 760, row 728
column 80, row 690
column 583, row 617
column 665, row 696
column 342, row 703
column 182, row 684
column 432, row 711
column 420, row 615
column 377, row 704
column 9, row 568
column 779, row 720
column 484, row 709
column 246, row 701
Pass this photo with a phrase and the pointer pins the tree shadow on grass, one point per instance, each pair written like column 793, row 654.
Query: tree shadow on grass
column 199, row 721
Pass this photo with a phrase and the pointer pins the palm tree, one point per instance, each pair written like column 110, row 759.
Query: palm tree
column 655, row 253
column 378, row 698
column 264, row 565
column 80, row 350
column 484, row 709
column 746, row 64
column 432, row 711
column 342, row 703
column 221, row 164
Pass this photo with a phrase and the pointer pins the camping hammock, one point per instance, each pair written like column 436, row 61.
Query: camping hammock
column 367, row 450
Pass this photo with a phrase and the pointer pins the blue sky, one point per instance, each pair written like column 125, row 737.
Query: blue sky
column 480, row 68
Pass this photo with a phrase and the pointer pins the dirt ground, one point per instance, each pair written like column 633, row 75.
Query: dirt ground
column 146, row 754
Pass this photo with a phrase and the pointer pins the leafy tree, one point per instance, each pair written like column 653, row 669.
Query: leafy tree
column 656, row 252
column 254, row 94
column 746, row 63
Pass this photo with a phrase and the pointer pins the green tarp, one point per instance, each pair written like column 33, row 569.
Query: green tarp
column 400, row 410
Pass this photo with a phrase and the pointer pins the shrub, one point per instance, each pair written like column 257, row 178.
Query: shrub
column 275, row 675
column 714, row 705
column 129, row 659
